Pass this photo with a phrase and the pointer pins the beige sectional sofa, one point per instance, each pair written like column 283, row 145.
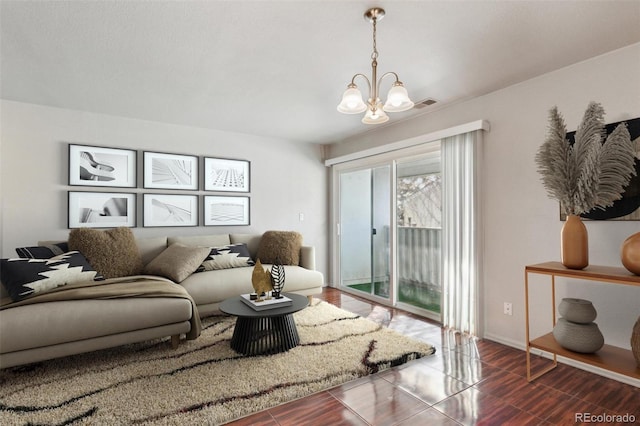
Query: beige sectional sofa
column 55, row 328
column 208, row 289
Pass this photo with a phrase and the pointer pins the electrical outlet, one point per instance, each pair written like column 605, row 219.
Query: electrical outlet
column 508, row 308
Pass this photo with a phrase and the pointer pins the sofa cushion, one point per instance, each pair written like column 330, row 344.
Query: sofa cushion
column 225, row 257
column 113, row 253
column 213, row 240
column 24, row 277
column 177, row 262
column 43, row 251
column 150, row 248
column 280, row 247
column 251, row 240
column 214, row 287
column 49, row 325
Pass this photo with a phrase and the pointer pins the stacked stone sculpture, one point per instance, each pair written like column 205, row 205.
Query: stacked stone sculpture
column 575, row 330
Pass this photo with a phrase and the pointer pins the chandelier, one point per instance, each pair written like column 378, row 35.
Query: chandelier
column 397, row 98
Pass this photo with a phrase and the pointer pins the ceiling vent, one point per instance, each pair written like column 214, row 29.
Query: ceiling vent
column 424, row 103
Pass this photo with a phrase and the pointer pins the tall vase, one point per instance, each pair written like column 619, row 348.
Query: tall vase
column 574, row 243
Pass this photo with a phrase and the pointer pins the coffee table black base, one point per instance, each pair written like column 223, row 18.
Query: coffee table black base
column 264, row 335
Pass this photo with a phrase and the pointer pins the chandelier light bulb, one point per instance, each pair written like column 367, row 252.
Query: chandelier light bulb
column 395, row 99
column 398, row 99
column 375, row 117
column 352, row 102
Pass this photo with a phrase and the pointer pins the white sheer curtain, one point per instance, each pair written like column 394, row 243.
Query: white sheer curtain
column 461, row 231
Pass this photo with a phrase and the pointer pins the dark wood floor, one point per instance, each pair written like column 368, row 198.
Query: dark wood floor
column 465, row 382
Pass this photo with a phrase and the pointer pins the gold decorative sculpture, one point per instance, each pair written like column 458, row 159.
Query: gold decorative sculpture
column 261, row 280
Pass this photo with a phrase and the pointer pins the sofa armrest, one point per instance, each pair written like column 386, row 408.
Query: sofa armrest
column 308, row 257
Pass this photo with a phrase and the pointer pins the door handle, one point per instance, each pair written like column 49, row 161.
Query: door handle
column 374, row 231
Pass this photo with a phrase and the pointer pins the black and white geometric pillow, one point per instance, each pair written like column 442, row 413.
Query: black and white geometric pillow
column 43, row 252
column 226, row 257
column 23, row 277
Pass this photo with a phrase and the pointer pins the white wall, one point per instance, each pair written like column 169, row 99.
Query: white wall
column 521, row 225
column 286, row 178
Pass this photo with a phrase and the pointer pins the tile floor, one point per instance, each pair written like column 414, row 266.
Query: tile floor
column 465, row 382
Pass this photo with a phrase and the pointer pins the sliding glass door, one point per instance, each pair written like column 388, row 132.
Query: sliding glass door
column 364, row 230
column 419, row 233
column 380, row 230
column 389, row 231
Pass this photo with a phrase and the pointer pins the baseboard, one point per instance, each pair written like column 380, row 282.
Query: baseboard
column 586, row 367
column 507, row 342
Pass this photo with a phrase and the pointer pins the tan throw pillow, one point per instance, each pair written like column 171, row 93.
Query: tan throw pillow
column 280, row 246
column 113, row 253
column 177, row 262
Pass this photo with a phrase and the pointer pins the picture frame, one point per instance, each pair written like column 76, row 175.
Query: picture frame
column 227, row 175
column 169, row 210
column 170, row 171
column 101, row 209
column 102, row 166
column 225, row 210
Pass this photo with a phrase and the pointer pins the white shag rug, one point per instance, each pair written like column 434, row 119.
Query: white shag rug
column 204, row 381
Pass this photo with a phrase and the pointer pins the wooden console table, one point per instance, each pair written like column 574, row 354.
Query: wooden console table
column 609, row 357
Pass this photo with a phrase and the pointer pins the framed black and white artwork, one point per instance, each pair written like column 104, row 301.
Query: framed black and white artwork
column 170, row 171
column 221, row 174
column 221, row 210
column 100, row 166
column 170, row 210
column 101, row 209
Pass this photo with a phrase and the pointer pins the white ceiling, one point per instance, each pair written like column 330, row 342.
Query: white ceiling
column 278, row 68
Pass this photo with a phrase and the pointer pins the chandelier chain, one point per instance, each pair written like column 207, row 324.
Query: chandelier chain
column 374, row 54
